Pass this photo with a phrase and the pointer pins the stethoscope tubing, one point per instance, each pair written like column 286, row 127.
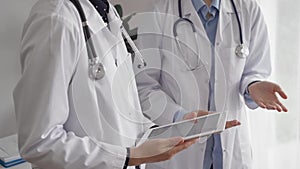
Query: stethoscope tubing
column 97, row 69
column 181, row 18
column 241, row 50
column 238, row 20
column 87, row 35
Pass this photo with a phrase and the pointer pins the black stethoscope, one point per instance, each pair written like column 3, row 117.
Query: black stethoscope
column 96, row 68
column 241, row 50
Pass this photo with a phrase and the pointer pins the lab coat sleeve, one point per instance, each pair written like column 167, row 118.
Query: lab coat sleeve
column 258, row 63
column 155, row 102
column 50, row 48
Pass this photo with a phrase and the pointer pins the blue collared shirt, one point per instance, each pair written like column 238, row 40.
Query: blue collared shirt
column 213, row 152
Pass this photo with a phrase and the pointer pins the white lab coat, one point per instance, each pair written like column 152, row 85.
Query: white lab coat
column 66, row 120
column 166, row 87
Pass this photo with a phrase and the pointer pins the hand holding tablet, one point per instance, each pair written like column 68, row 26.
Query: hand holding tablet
column 201, row 126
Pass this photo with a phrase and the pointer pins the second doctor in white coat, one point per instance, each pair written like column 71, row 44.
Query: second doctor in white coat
column 167, row 87
column 66, row 120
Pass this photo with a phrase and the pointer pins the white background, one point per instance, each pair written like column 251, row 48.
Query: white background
column 275, row 136
column 12, row 16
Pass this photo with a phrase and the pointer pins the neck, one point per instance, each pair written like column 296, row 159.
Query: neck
column 208, row 2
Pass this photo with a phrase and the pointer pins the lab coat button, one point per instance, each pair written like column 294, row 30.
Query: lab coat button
column 218, row 43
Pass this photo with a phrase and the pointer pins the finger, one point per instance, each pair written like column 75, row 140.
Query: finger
column 190, row 115
column 270, row 106
column 232, row 123
column 262, row 105
column 278, row 107
column 282, row 106
column 202, row 113
column 280, row 92
column 275, row 106
column 191, row 140
column 184, row 145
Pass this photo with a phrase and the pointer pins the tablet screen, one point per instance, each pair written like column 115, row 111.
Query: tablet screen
column 187, row 129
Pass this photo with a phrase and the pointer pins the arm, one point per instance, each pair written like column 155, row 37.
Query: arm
column 156, row 104
column 258, row 92
column 49, row 52
column 258, row 63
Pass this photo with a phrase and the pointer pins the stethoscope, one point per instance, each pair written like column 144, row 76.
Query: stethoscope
column 241, row 50
column 96, row 68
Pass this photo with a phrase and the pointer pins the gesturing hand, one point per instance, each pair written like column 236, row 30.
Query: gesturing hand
column 264, row 95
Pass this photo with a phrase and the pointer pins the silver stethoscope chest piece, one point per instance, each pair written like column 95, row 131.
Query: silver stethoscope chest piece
column 96, row 71
column 242, row 51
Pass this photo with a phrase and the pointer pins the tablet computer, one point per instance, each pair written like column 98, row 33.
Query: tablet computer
column 188, row 129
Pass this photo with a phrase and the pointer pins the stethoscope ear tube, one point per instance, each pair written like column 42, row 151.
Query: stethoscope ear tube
column 142, row 63
column 87, row 35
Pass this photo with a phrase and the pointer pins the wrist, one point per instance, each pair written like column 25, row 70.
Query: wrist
column 133, row 157
column 249, row 85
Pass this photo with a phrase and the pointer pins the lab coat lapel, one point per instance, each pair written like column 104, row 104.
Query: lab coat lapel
column 96, row 23
column 104, row 30
column 225, row 17
column 94, row 20
column 188, row 11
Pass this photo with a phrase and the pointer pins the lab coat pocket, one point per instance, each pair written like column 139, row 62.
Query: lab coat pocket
column 124, row 82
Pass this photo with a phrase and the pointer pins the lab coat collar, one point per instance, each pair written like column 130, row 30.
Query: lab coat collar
column 95, row 21
column 200, row 3
column 189, row 11
column 227, row 7
column 225, row 17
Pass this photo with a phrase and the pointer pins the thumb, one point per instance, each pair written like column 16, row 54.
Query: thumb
column 202, row 113
column 190, row 115
column 174, row 141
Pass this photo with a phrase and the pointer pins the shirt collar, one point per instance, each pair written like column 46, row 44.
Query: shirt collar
column 200, row 3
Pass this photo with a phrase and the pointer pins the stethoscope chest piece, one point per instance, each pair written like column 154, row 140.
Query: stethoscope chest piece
column 96, row 71
column 242, row 50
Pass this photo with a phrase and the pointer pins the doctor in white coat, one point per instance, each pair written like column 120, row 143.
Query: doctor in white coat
column 188, row 72
column 66, row 119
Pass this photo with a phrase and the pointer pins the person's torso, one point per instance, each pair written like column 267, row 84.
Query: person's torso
column 108, row 109
column 190, row 89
